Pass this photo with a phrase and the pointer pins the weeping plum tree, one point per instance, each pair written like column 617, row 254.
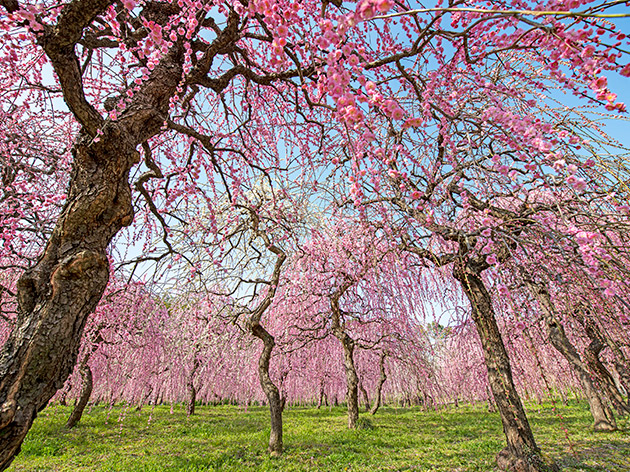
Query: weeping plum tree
column 574, row 232
column 341, row 282
column 228, row 82
column 448, row 217
column 276, row 401
column 603, row 419
column 243, row 262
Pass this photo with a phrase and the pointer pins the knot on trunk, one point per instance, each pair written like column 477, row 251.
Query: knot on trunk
column 82, row 267
column 7, row 412
column 26, row 293
column 78, row 265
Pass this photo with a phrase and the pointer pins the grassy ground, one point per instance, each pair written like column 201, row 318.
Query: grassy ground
column 230, row 438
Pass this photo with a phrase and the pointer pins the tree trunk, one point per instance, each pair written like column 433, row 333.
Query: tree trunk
column 603, row 420
column 62, row 398
column 379, row 386
column 84, row 397
column 622, row 366
column 606, row 380
column 276, row 403
column 322, row 395
column 190, row 385
column 338, row 330
column 492, row 406
column 366, row 398
column 563, row 396
column 192, row 398
column 352, row 379
column 522, row 453
column 599, row 340
column 57, row 294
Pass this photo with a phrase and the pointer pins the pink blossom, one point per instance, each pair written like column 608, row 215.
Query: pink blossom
column 599, row 84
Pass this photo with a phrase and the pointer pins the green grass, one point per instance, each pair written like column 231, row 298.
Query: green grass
column 230, row 438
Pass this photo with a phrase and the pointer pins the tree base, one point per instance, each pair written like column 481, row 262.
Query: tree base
column 535, row 462
column 604, row 427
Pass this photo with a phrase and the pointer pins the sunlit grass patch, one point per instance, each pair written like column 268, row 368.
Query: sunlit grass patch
column 232, row 438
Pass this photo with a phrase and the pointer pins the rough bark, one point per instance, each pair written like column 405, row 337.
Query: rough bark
column 57, row 294
column 276, row 403
column 603, row 419
column 379, row 386
column 522, row 453
column 84, row 397
column 352, row 380
column 348, row 344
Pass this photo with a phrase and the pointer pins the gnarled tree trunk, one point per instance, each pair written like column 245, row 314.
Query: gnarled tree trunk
column 603, row 419
column 352, row 379
column 600, row 340
column 379, row 386
column 87, row 382
column 621, row 363
column 190, row 386
column 522, row 453
column 338, row 330
column 58, row 293
column 621, row 366
column 606, row 381
column 276, row 403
